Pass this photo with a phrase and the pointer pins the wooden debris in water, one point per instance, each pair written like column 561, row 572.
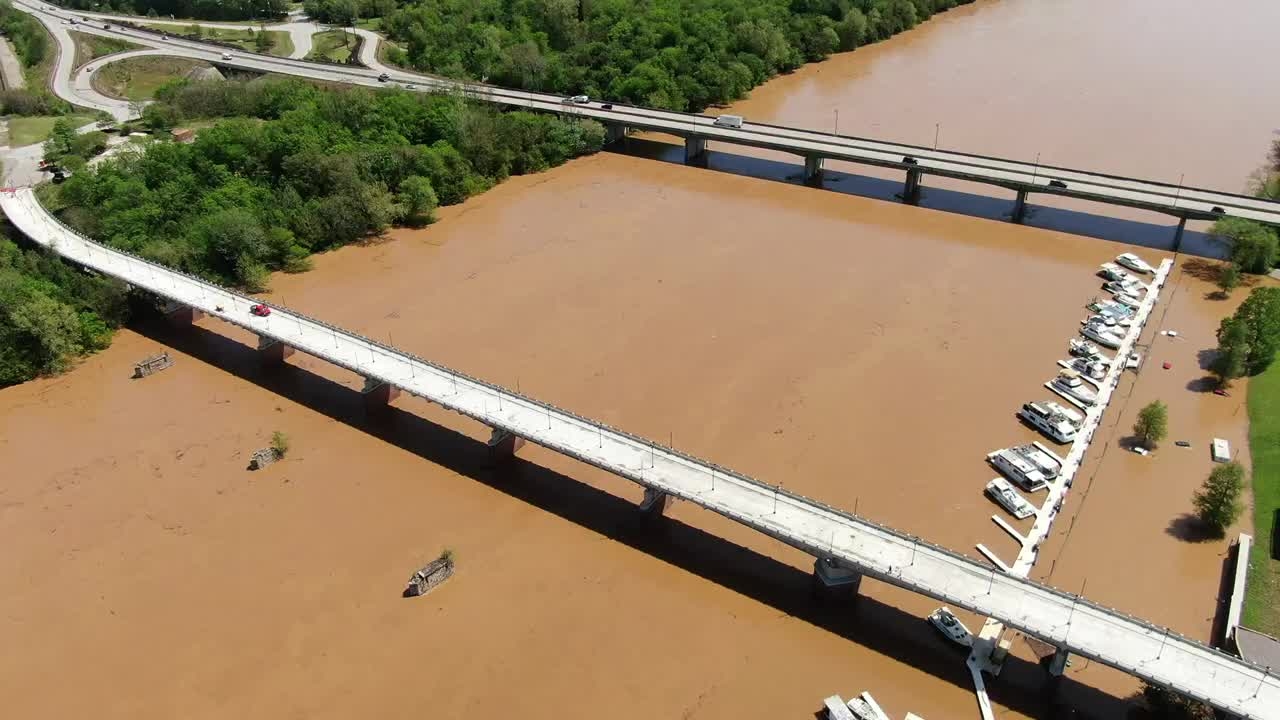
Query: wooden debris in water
column 152, row 365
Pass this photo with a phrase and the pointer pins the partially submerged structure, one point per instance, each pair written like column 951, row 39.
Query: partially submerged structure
column 433, row 574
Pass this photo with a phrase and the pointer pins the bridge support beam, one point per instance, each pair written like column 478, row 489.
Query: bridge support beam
column 613, row 133
column 272, row 351
column 833, row 582
column 181, row 316
column 654, row 503
column 813, row 171
column 1058, row 663
column 911, row 190
column 1177, row 235
column 1020, row 207
column 503, row 444
column 378, row 395
column 695, row 150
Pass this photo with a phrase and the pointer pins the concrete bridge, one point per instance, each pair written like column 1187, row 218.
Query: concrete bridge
column 1020, row 177
column 847, row 547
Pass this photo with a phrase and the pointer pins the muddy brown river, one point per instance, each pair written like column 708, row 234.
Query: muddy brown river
column 849, row 348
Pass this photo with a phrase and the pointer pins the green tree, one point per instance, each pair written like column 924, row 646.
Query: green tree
column 1253, row 245
column 61, row 140
column 262, row 41
column 418, row 200
column 1217, row 502
column 1152, row 424
column 280, row 443
column 1228, row 278
column 1232, row 359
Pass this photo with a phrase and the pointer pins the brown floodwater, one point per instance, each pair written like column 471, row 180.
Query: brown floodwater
column 852, row 349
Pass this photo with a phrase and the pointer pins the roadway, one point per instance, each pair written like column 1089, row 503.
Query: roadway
column 1067, row 621
column 1184, row 202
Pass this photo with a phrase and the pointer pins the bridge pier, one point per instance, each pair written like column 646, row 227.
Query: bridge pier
column 613, row 133
column 378, row 395
column 813, row 171
column 1177, row 234
column 1020, row 207
column 833, row 582
column 1058, row 663
column 695, row 150
column 272, row 351
column 654, row 503
column 181, row 316
column 911, row 190
column 503, row 444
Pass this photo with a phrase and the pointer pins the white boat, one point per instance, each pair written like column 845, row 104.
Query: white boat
column 1082, row 348
column 1048, row 465
column 1069, row 383
column 1111, row 271
column 1111, row 307
column 1110, row 321
column 1133, row 361
column 865, row 707
column 1073, row 416
column 1003, row 493
column 1102, row 335
column 1117, row 287
column 1128, row 300
column 1054, row 426
column 836, row 709
column 1089, row 368
column 950, row 626
column 1018, row 469
column 1134, row 263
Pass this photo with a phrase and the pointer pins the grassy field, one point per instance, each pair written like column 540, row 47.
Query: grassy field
column 281, row 43
column 374, row 24
column 336, row 45
column 92, row 47
column 30, row 130
column 1262, row 601
column 138, row 78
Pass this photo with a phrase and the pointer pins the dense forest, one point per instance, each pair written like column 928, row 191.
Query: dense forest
column 201, row 9
column 287, row 170
column 675, row 54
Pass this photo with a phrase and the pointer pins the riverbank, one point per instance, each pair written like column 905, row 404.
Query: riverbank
column 1262, row 600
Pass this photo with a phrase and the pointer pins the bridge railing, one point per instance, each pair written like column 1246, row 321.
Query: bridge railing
column 906, row 539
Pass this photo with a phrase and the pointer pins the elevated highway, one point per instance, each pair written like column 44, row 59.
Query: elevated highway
column 848, row 547
column 1023, row 178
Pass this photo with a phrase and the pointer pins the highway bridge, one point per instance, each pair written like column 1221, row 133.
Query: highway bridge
column 1022, row 178
column 847, row 547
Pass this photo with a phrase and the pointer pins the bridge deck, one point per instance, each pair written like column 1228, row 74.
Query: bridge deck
column 1186, row 202
column 1099, row 633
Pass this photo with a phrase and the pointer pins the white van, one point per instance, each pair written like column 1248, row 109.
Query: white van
column 729, row 121
column 577, row 100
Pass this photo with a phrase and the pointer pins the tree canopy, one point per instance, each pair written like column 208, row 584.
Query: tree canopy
column 1248, row 340
column 1153, row 423
column 200, row 9
column 1217, row 502
column 675, row 54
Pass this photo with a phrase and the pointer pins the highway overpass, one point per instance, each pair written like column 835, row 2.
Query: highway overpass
column 847, row 546
column 1022, row 178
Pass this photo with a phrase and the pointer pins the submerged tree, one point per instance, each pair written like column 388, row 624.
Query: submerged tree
column 1152, row 424
column 1217, row 502
column 1165, row 704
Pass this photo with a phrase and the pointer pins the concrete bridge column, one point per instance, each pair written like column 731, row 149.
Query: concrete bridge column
column 911, row 191
column 503, row 444
column 655, row 502
column 378, row 395
column 1020, row 207
column 695, row 150
column 613, row 133
column 831, row 581
column 272, row 351
column 1058, row 663
column 181, row 316
column 813, row 171
column 1177, row 235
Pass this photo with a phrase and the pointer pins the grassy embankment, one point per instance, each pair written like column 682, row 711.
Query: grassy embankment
column 29, row 130
column 281, row 45
column 1262, row 601
column 335, row 45
column 92, row 47
column 138, row 78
